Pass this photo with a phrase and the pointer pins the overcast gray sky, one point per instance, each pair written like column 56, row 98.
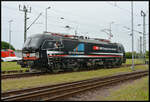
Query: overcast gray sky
column 89, row 18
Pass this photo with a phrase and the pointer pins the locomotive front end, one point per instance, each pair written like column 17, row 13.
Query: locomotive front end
column 38, row 50
column 31, row 52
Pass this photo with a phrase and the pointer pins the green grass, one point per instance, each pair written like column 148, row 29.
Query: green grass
column 6, row 66
column 136, row 61
column 136, row 91
column 10, row 84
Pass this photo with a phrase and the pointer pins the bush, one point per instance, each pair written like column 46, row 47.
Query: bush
column 147, row 54
column 129, row 54
column 5, row 45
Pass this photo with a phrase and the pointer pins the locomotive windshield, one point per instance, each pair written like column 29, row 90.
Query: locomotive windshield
column 45, row 41
column 32, row 43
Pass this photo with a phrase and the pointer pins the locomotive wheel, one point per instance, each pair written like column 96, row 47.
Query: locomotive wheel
column 76, row 67
column 119, row 63
column 56, row 68
column 34, row 70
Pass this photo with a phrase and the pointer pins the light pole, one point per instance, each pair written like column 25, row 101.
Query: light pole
column 71, row 27
column 10, row 34
column 132, row 36
column 67, row 26
column 140, row 42
column 46, row 18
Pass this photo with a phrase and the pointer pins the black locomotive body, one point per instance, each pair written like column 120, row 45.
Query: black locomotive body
column 58, row 52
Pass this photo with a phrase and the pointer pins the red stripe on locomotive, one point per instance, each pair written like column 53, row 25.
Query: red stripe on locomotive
column 30, row 58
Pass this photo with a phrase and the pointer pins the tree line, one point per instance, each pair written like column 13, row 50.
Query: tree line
column 136, row 55
column 5, row 45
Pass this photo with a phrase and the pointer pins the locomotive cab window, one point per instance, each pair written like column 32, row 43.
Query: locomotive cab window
column 51, row 45
column 48, row 45
column 58, row 44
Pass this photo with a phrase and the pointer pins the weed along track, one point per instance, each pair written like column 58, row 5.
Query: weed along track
column 64, row 90
column 30, row 74
column 14, row 71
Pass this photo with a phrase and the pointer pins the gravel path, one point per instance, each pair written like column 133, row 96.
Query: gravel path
column 95, row 94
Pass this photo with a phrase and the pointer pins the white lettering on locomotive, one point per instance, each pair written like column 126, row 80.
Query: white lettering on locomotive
column 104, row 48
column 75, row 52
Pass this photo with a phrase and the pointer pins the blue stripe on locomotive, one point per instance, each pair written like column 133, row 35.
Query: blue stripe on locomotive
column 80, row 47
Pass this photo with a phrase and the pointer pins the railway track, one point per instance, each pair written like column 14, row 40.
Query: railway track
column 22, row 71
column 30, row 74
column 20, row 75
column 64, row 90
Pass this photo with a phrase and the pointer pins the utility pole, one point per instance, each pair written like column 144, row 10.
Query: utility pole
column 132, row 36
column 140, row 47
column 25, row 10
column 46, row 18
column 10, row 34
column 144, row 36
column 34, row 21
column 110, row 30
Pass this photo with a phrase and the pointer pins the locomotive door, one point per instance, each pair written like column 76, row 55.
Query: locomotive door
column 121, row 58
column 56, row 60
column 47, row 47
column 57, row 47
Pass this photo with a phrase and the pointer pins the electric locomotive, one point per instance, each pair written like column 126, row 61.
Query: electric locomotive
column 54, row 52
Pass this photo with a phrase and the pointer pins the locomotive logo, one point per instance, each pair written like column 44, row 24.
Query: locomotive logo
column 96, row 48
column 80, row 47
column 78, row 50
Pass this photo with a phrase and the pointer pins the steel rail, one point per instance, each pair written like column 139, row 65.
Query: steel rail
column 29, row 74
column 20, row 75
column 49, row 86
column 60, row 91
column 84, row 88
